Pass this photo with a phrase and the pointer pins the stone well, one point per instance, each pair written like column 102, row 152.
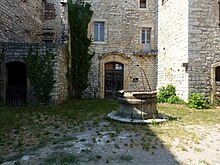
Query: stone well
column 137, row 105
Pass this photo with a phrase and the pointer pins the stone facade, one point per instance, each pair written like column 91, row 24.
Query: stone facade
column 188, row 45
column 181, row 42
column 204, row 50
column 42, row 25
column 173, row 45
column 123, row 22
column 20, row 21
column 54, row 27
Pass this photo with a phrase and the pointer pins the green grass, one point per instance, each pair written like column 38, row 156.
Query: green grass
column 27, row 128
column 126, row 158
column 189, row 116
column 62, row 158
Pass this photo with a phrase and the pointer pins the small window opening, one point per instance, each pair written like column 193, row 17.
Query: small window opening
column 219, row 11
column 217, row 73
column 143, row 4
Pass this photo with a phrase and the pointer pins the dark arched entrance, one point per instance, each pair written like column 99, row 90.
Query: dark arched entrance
column 114, row 79
column 16, row 87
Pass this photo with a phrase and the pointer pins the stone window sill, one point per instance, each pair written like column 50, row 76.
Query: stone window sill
column 99, row 42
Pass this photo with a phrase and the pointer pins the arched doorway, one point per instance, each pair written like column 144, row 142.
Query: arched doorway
column 112, row 59
column 114, row 79
column 16, row 84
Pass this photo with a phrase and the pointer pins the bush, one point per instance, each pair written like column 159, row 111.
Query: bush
column 41, row 74
column 175, row 100
column 168, row 94
column 198, row 101
column 161, row 95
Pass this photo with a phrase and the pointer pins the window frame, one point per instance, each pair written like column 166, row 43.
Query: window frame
column 146, row 41
column 99, row 21
column 148, row 34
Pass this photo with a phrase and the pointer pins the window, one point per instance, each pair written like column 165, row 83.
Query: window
column 99, row 31
column 217, row 73
column 146, row 38
column 162, row 2
column 143, row 4
column 219, row 10
column 146, row 35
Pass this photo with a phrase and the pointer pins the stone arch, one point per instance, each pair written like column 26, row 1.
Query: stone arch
column 213, row 82
column 108, row 58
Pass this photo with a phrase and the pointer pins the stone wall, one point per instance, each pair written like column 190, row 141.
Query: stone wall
column 61, row 86
column 17, row 51
column 204, row 41
column 173, row 45
column 54, row 21
column 123, row 22
column 26, row 23
column 20, row 21
column 33, row 21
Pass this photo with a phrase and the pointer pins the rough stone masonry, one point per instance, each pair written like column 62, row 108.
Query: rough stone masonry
column 34, row 23
column 123, row 22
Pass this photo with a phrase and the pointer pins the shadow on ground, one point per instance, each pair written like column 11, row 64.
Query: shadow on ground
column 49, row 138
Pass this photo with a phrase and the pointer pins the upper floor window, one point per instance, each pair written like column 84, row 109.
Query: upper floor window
column 146, row 38
column 143, row 4
column 146, row 35
column 99, row 31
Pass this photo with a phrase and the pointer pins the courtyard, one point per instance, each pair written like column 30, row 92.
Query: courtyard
column 79, row 132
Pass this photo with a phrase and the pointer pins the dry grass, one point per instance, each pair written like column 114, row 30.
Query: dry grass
column 25, row 129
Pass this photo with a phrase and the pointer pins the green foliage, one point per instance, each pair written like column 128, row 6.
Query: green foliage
column 175, row 100
column 79, row 18
column 165, row 93
column 168, row 94
column 41, row 74
column 2, row 56
column 198, row 101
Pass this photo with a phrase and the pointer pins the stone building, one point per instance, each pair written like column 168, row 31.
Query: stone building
column 188, row 46
column 41, row 25
column 124, row 34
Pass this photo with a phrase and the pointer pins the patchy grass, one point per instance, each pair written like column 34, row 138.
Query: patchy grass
column 126, row 158
column 62, row 158
column 185, row 117
column 189, row 116
column 24, row 129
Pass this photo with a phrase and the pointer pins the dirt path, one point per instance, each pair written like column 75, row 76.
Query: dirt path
column 205, row 150
column 103, row 145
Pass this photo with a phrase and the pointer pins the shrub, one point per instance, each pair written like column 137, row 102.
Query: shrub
column 168, row 94
column 161, row 95
column 41, row 74
column 175, row 100
column 198, row 101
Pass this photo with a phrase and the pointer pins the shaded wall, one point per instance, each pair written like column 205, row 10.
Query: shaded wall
column 20, row 20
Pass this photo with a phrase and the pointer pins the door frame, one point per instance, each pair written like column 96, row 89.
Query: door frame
column 213, row 82
column 108, row 58
column 114, row 79
column 5, row 78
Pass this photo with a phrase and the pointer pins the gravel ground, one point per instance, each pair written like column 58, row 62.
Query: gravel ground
column 103, row 145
